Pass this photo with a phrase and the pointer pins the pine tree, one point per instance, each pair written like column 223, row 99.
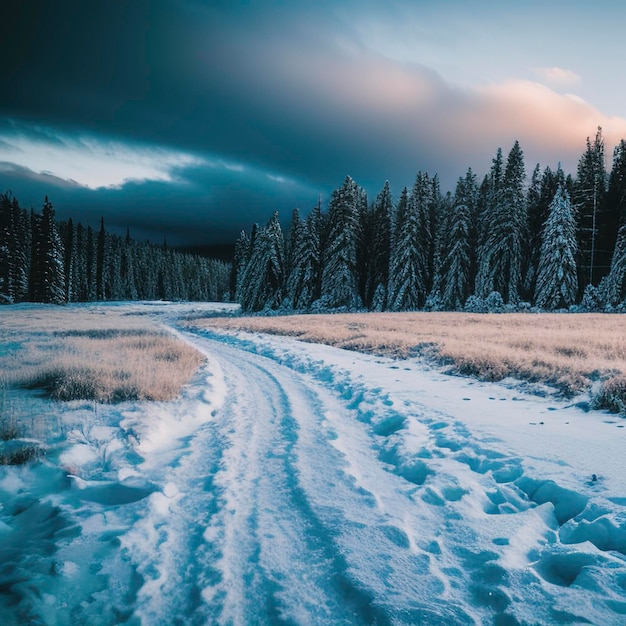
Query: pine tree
column 420, row 210
column 301, row 281
column 127, row 268
column 590, row 191
column 316, row 226
column 6, row 255
column 407, row 287
column 615, row 207
column 263, row 278
column 14, row 250
column 615, row 282
column 101, row 259
column 540, row 195
column 240, row 260
column 455, row 282
column 47, row 279
column 339, row 286
column 70, row 259
column 557, row 282
column 504, row 226
column 376, row 255
column 439, row 210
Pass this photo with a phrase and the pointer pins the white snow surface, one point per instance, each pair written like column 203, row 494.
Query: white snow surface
column 294, row 483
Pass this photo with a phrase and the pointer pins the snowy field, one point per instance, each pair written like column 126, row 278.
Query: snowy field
column 295, row 483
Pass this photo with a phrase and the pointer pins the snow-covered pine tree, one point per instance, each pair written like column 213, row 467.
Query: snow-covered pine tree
column 420, row 210
column 589, row 196
column 316, row 226
column 240, row 260
column 127, row 268
column 263, row 277
column 407, row 287
column 300, row 283
column 438, row 218
column 615, row 208
column 454, row 285
column 615, row 282
column 47, row 279
column 376, row 252
column 557, row 282
column 14, row 250
column 6, row 253
column 68, row 234
column 504, row 228
column 101, row 260
column 339, row 286
column 542, row 190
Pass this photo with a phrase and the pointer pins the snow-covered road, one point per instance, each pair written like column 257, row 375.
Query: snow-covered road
column 299, row 484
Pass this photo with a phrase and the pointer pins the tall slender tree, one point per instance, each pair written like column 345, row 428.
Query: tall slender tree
column 455, row 282
column 615, row 282
column 376, row 252
column 505, row 228
column 301, row 280
column 407, row 288
column 557, row 281
column 590, row 192
column 263, row 278
column 47, row 279
column 340, row 276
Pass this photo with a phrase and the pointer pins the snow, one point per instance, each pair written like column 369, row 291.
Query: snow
column 298, row 483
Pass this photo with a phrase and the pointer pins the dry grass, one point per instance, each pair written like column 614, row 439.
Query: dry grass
column 569, row 352
column 104, row 356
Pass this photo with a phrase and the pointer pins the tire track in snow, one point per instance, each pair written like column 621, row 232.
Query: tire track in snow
column 278, row 563
column 312, row 528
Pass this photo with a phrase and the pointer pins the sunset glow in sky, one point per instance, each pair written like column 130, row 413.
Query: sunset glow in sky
column 194, row 119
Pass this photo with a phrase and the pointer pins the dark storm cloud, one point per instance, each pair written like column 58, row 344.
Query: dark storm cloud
column 273, row 103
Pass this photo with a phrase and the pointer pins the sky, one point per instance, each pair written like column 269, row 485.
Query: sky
column 189, row 120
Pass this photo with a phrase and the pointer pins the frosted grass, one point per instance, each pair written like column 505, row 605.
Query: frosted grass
column 568, row 352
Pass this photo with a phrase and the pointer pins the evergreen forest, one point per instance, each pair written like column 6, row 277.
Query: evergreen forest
column 507, row 242
column 42, row 260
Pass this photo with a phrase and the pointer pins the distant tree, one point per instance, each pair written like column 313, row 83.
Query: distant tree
column 557, row 282
column 47, row 278
column 127, row 269
column 100, row 261
column 70, row 258
column 14, row 250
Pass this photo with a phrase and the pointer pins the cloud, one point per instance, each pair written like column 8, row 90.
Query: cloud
column 551, row 127
column 89, row 160
column 557, row 76
column 212, row 117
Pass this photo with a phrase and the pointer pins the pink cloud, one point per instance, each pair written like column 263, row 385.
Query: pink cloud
column 557, row 76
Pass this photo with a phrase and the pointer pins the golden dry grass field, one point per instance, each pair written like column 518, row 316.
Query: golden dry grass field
column 569, row 352
column 92, row 354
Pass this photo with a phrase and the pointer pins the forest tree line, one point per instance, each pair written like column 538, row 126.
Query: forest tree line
column 503, row 243
column 42, row 260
